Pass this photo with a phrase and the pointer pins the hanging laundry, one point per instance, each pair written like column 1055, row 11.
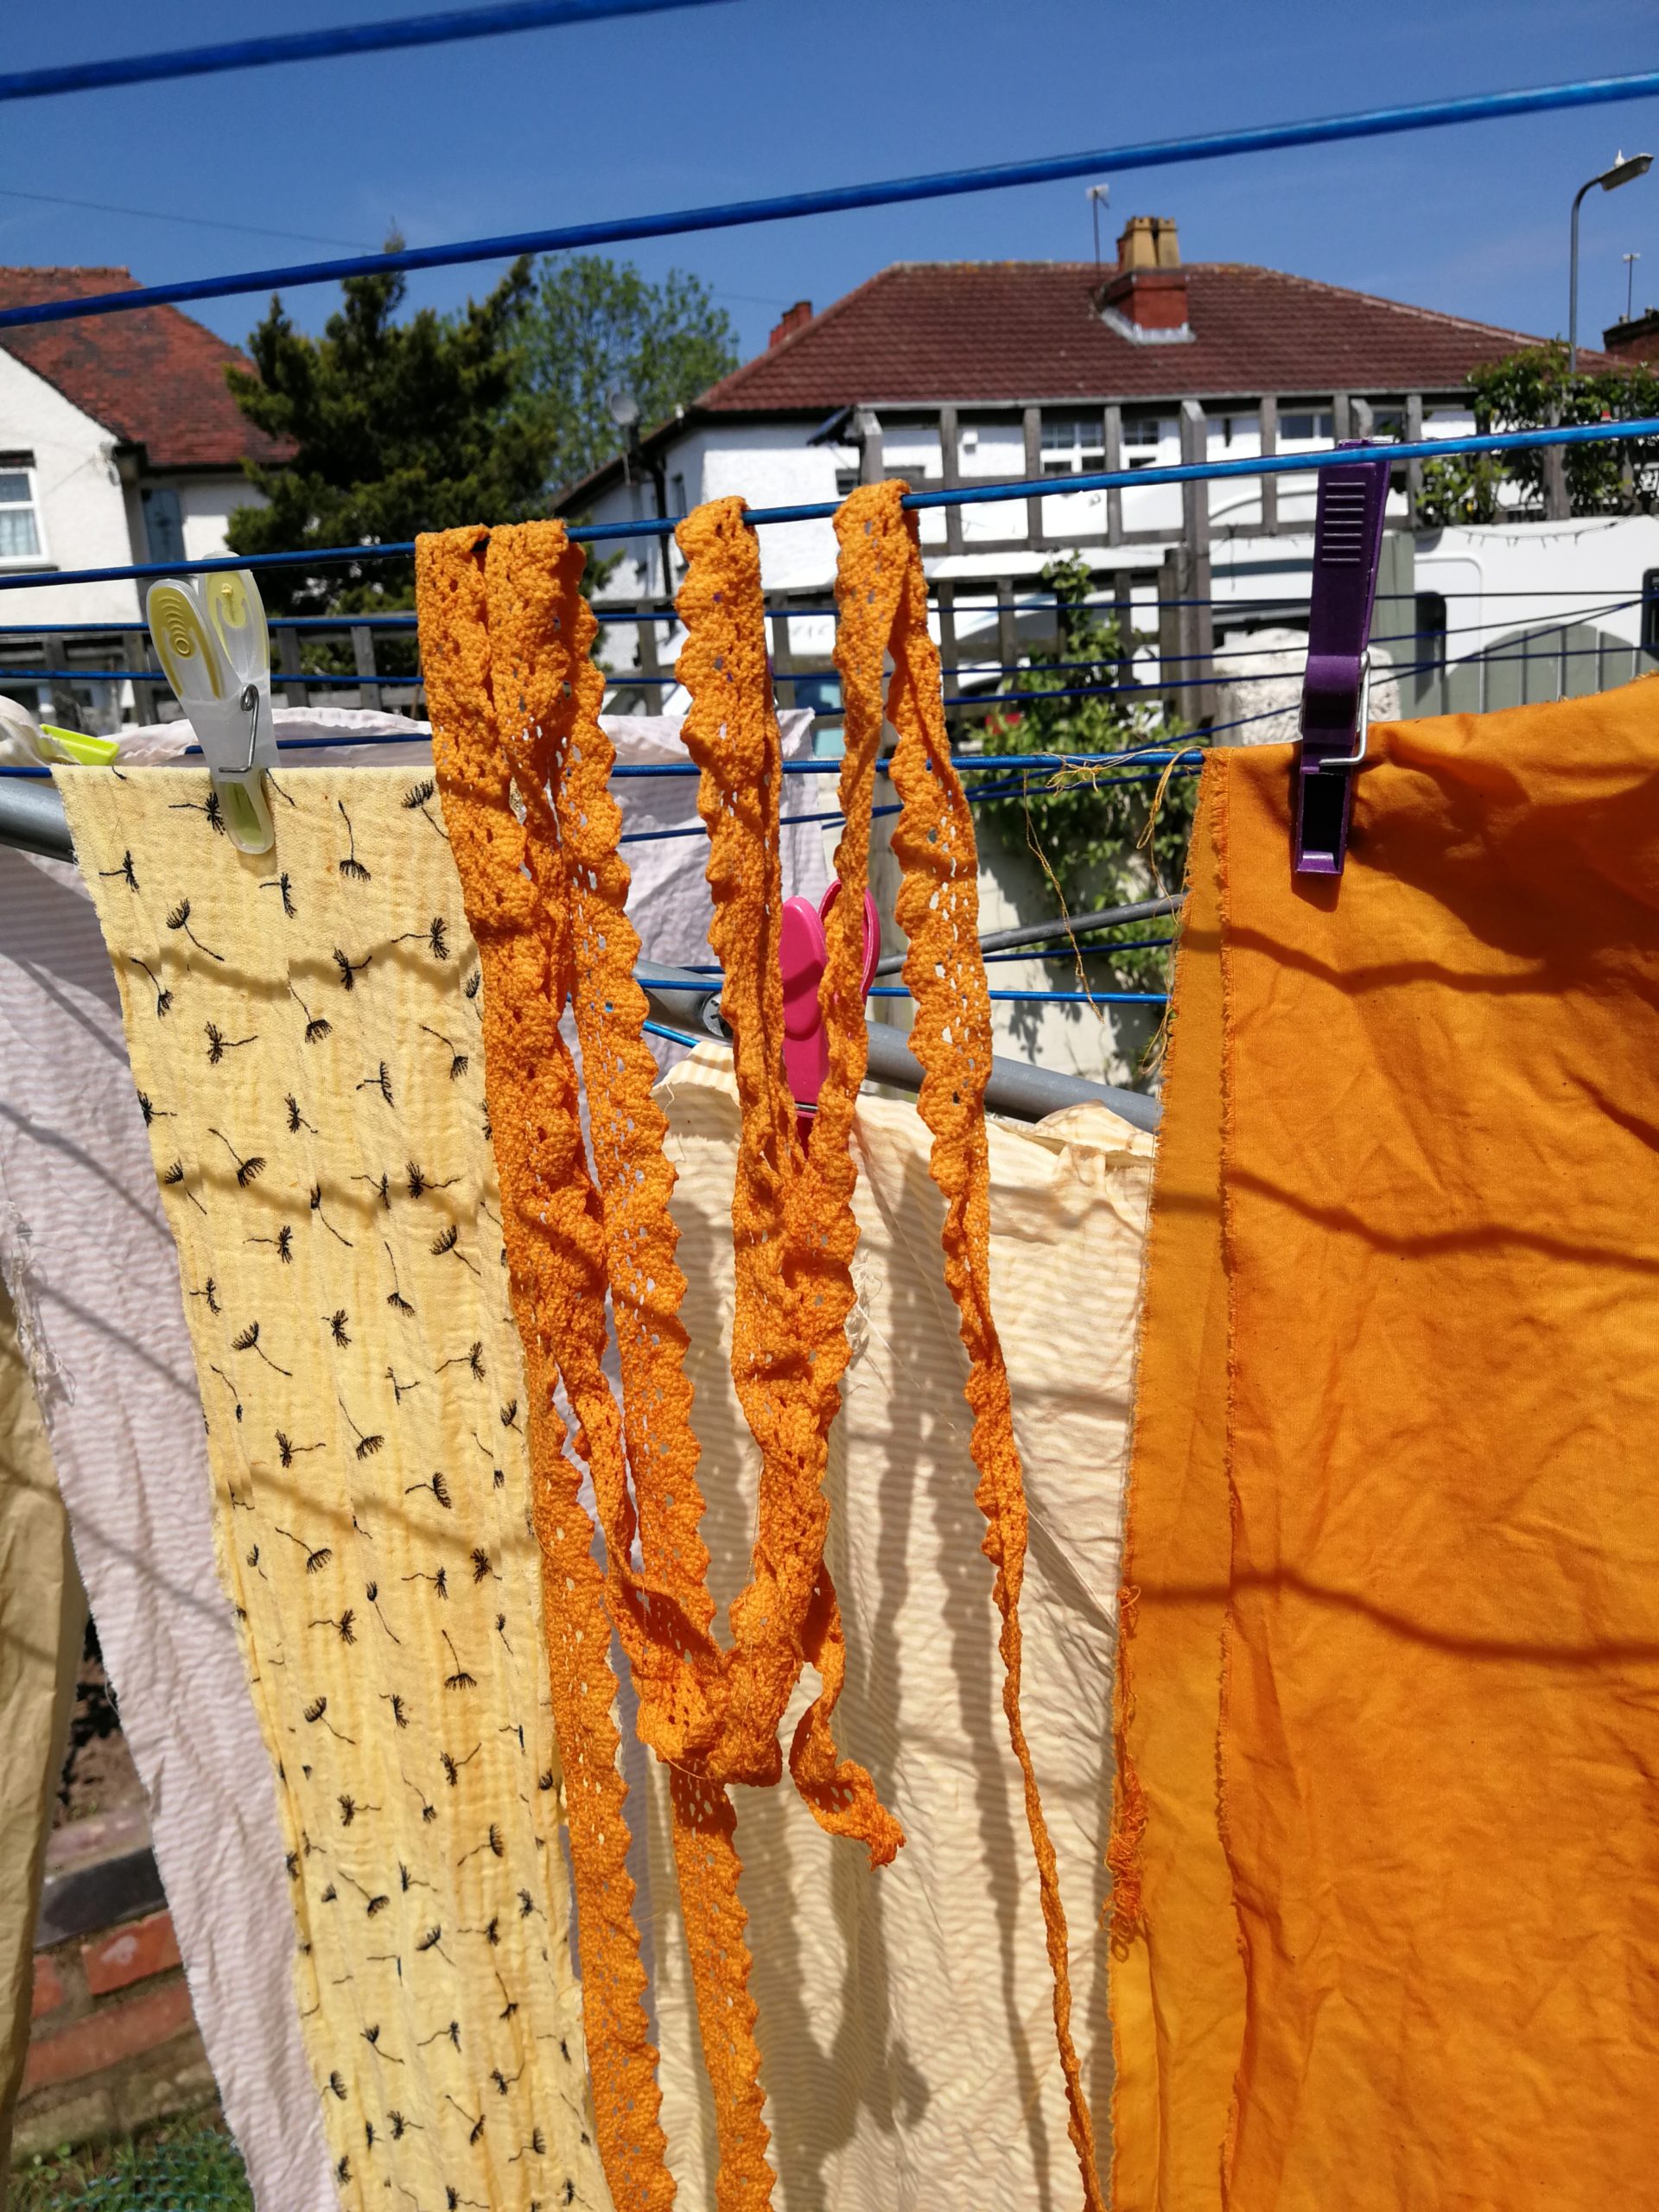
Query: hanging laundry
column 42, row 1622
column 304, row 1028
column 907, row 2054
column 1434, row 1688
column 94, row 1278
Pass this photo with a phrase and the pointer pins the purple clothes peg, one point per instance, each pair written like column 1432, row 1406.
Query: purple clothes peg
column 1347, row 547
column 802, row 953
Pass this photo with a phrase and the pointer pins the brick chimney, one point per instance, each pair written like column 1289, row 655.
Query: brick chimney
column 795, row 318
column 1146, row 300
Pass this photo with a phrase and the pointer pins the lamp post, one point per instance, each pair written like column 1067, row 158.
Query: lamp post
column 1622, row 172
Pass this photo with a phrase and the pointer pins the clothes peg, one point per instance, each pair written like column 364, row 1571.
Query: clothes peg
column 25, row 743
column 1336, row 690
column 215, row 650
column 802, row 952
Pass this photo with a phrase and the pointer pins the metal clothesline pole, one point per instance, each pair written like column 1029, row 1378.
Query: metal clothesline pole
column 32, row 820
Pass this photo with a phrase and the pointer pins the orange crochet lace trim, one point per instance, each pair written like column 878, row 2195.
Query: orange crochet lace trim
column 554, row 1235
column 542, row 633
column 792, row 1210
column 882, row 596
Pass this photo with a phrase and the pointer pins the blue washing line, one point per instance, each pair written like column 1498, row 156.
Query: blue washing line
column 1371, row 122
column 1196, row 472
column 1046, row 998
column 1150, row 690
column 322, row 45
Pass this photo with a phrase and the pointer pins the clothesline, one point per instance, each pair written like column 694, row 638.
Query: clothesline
column 987, row 494
column 608, row 616
column 1371, row 122
column 327, row 44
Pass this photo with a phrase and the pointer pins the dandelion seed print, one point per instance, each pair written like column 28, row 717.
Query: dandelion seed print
column 163, row 996
column 395, row 1297
column 418, row 798
column 209, row 808
column 178, row 918
column 419, row 1182
column 125, row 871
column 282, row 883
column 380, row 1081
column 317, row 1208
column 316, row 1028
column 315, row 1559
column 460, row 1679
column 337, row 1328
column 247, row 1171
column 350, row 970
column 435, row 936
column 459, row 1061
column 436, row 1485
column 472, row 1359
column 400, row 1390
column 209, row 1291
column 296, row 1121
column 288, row 1450
column 345, row 1627
column 366, row 1447
column 248, row 1340
column 448, row 1240
column 282, row 1241
column 351, row 868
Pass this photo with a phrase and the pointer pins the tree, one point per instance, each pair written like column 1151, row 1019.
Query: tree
column 592, row 325
column 1531, row 390
column 1100, row 837
column 398, row 427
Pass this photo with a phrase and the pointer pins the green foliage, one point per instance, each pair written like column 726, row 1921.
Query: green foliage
column 1088, row 827
column 592, row 325
column 398, row 427
column 182, row 2166
column 1531, row 389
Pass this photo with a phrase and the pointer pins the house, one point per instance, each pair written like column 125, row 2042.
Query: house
column 945, row 373
column 119, row 443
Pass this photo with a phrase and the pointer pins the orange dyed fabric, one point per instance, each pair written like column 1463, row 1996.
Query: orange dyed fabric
column 1440, row 1664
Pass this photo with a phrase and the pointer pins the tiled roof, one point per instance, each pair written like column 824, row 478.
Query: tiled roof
column 152, row 378
column 998, row 331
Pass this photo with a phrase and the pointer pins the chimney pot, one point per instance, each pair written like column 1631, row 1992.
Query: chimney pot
column 791, row 319
column 1146, row 300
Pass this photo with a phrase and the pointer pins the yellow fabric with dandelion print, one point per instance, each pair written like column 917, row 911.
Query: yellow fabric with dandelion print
column 303, row 1025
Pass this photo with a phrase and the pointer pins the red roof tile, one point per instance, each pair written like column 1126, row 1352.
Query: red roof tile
column 152, row 378
column 929, row 332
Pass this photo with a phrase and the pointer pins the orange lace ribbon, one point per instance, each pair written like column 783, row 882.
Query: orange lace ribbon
column 881, row 598
column 792, row 1222
column 515, row 699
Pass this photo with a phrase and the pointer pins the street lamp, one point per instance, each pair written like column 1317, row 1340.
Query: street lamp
column 1622, row 172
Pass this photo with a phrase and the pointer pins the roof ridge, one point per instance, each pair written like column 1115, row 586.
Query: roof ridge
column 791, row 338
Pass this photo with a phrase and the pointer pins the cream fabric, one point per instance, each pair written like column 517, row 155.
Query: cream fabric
column 87, row 1255
column 42, row 1621
column 908, row 2051
column 303, row 1029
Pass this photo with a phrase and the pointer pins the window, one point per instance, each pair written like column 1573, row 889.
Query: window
column 20, row 536
column 1307, row 426
column 677, row 502
column 1650, row 612
column 1389, row 422
column 1073, row 445
column 163, row 524
column 846, row 481
column 1142, row 440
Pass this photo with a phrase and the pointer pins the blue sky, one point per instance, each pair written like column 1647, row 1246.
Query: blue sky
column 753, row 96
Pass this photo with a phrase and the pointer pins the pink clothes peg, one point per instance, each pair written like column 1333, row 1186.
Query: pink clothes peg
column 802, row 952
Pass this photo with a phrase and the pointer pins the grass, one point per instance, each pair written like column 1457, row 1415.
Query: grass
column 179, row 2166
